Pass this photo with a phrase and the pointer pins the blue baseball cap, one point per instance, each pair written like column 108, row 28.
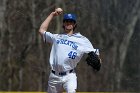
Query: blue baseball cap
column 69, row 17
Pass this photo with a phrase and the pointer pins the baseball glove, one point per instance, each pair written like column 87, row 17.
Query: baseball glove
column 94, row 61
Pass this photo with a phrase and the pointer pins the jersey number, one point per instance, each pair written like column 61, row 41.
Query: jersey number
column 72, row 54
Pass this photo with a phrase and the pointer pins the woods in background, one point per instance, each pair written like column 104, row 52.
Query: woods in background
column 112, row 25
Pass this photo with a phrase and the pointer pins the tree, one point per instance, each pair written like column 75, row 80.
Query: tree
column 109, row 24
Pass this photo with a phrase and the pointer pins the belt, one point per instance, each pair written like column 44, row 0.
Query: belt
column 62, row 73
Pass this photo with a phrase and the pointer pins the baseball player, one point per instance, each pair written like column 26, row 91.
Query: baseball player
column 67, row 50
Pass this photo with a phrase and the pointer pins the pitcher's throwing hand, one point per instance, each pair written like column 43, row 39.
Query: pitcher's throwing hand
column 58, row 11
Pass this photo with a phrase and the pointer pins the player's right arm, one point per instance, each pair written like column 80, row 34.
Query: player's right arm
column 45, row 24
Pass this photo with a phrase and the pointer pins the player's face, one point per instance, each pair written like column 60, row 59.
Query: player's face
column 68, row 25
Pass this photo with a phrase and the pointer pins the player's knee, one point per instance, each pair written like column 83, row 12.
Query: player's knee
column 71, row 91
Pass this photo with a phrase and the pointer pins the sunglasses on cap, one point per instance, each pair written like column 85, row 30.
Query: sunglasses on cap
column 68, row 20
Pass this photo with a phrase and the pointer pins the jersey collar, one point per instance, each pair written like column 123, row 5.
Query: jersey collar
column 74, row 34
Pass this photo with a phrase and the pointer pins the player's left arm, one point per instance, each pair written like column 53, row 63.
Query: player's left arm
column 94, row 60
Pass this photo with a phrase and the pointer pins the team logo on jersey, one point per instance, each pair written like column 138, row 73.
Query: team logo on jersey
column 67, row 42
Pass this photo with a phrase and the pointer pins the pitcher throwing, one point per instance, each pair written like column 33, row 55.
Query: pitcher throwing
column 67, row 50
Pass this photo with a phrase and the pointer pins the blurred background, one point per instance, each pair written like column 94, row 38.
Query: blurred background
column 113, row 26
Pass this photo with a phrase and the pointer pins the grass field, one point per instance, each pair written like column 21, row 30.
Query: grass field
column 65, row 92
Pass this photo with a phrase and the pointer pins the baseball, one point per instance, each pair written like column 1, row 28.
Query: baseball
column 58, row 9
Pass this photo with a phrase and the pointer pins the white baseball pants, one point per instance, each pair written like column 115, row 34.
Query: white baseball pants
column 57, row 83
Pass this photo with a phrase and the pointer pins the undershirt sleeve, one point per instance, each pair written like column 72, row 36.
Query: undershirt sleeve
column 88, row 47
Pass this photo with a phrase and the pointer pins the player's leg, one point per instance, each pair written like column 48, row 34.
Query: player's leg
column 71, row 83
column 54, row 84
